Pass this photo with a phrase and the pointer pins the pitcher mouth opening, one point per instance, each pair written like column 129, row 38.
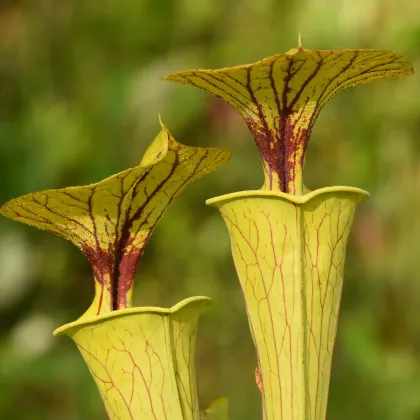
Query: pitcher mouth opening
column 136, row 310
column 297, row 199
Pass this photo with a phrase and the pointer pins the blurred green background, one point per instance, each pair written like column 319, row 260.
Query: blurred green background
column 79, row 100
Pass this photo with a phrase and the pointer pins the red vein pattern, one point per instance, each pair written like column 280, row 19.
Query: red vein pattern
column 281, row 96
column 289, row 256
column 143, row 361
column 112, row 221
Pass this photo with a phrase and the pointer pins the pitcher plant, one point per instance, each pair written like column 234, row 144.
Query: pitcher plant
column 142, row 359
column 289, row 243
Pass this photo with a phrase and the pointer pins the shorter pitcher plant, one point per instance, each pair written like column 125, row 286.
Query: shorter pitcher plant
column 288, row 246
column 142, row 359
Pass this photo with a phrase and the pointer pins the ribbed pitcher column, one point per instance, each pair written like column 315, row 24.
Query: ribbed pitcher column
column 289, row 254
column 142, row 360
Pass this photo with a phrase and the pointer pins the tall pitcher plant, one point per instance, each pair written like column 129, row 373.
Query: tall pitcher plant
column 289, row 243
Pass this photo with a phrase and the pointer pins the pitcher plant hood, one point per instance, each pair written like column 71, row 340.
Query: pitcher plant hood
column 111, row 221
column 281, row 96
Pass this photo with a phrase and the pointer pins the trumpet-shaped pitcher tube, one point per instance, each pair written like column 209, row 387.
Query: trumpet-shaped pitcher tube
column 289, row 253
column 142, row 360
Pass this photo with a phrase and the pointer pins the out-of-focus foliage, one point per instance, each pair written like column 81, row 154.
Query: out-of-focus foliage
column 217, row 410
column 79, row 98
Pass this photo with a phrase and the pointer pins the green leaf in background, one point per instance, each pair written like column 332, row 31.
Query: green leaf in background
column 217, row 410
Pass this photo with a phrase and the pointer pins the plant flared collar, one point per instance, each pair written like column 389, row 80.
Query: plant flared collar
column 200, row 302
column 111, row 221
column 281, row 96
